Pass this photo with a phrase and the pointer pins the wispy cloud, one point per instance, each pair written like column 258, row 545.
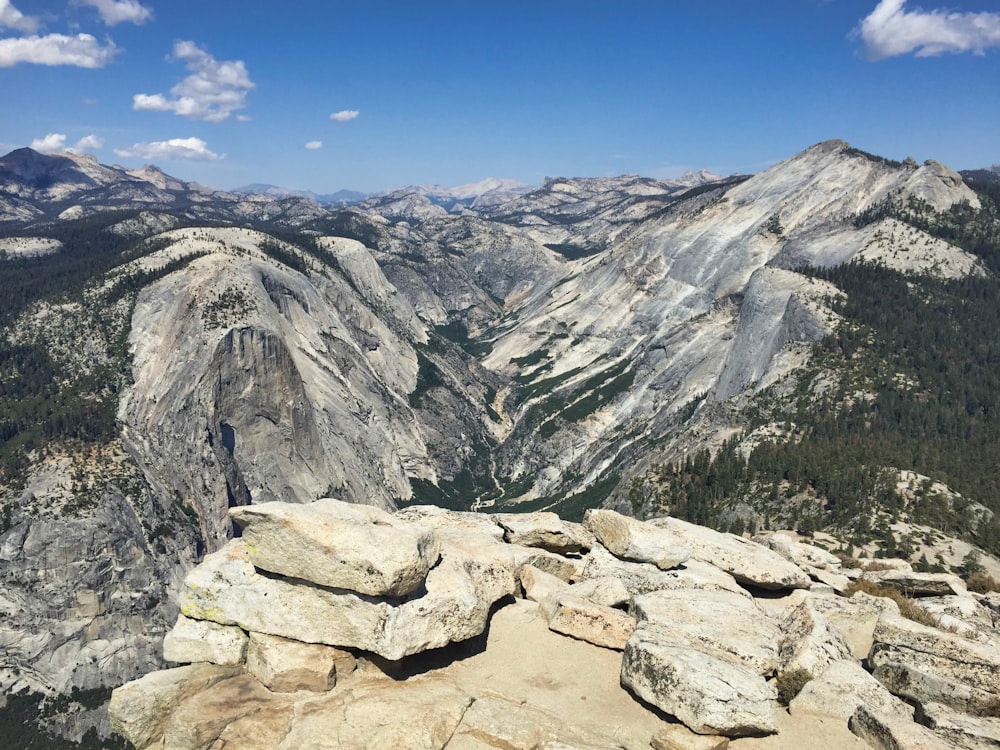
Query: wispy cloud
column 313, row 145
column 53, row 143
column 891, row 30
column 12, row 18
column 191, row 149
column 213, row 92
column 82, row 51
column 345, row 115
column 114, row 12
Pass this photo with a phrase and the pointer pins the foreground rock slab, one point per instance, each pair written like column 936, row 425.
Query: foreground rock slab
column 710, row 695
column 748, row 562
column 331, row 543
column 141, row 709
column 738, row 630
column 630, row 539
column 546, row 531
column 894, row 732
column 226, row 589
column 841, row 688
column 200, row 640
column 285, row 666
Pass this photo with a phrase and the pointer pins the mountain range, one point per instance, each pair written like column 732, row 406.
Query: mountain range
column 655, row 346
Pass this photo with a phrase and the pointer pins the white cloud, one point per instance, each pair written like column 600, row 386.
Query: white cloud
column 890, row 30
column 51, row 143
column 54, row 143
column 313, row 145
column 12, row 18
column 192, row 149
column 213, row 92
column 345, row 115
column 87, row 143
column 82, row 50
column 114, row 12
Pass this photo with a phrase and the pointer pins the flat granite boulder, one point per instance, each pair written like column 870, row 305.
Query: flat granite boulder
column 584, row 619
column 454, row 606
column 748, row 562
column 841, row 688
column 630, row 539
column 710, row 695
column 200, row 640
column 285, row 666
column 808, row 642
column 897, row 640
column 717, row 622
column 337, row 544
column 641, row 578
column 544, row 530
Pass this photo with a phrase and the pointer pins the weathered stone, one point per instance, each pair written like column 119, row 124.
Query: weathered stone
column 921, row 686
column 746, row 561
column 341, row 545
column 284, row 666
column 261, row 730
column 140, row 709
column 199, row 640
column 199, row 720
column 420, row 713
column 837, row 581
column 965, row 613
column 855, row 617
column 710, row 695
column 679, row 737
column 840, row 689
column 608, row 591
column 545, row 530
column 641, row 578
column 566, row 568
column 800, row 553
column 919, row 584
column 889, row 731
column 538, row 584
column 496, row 721
column 973, row 732
column 715, row 621
column 633, row 540
column 934, row 652
column 460, row 590
column 808, row 642
column 587, row 621
column 452, row 523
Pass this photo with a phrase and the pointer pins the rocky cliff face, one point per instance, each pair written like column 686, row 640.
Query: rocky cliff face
column 276, row 384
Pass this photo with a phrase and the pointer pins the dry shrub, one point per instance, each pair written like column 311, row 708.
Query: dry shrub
column 982, row 583
column 907, row 607
column 790, row 683
column 865, row 564
column 872, row 566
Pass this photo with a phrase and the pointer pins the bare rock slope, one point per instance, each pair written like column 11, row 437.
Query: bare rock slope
column 462, row 661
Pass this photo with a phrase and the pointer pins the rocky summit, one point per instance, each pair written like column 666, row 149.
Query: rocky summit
column 333, row 625
column 184, row 372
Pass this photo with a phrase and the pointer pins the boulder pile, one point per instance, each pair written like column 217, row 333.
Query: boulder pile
column 333, row 625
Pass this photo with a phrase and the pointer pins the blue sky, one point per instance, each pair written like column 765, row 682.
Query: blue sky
column 395, row 93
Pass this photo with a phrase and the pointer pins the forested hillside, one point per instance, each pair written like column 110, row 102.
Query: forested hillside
column 909, row 381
